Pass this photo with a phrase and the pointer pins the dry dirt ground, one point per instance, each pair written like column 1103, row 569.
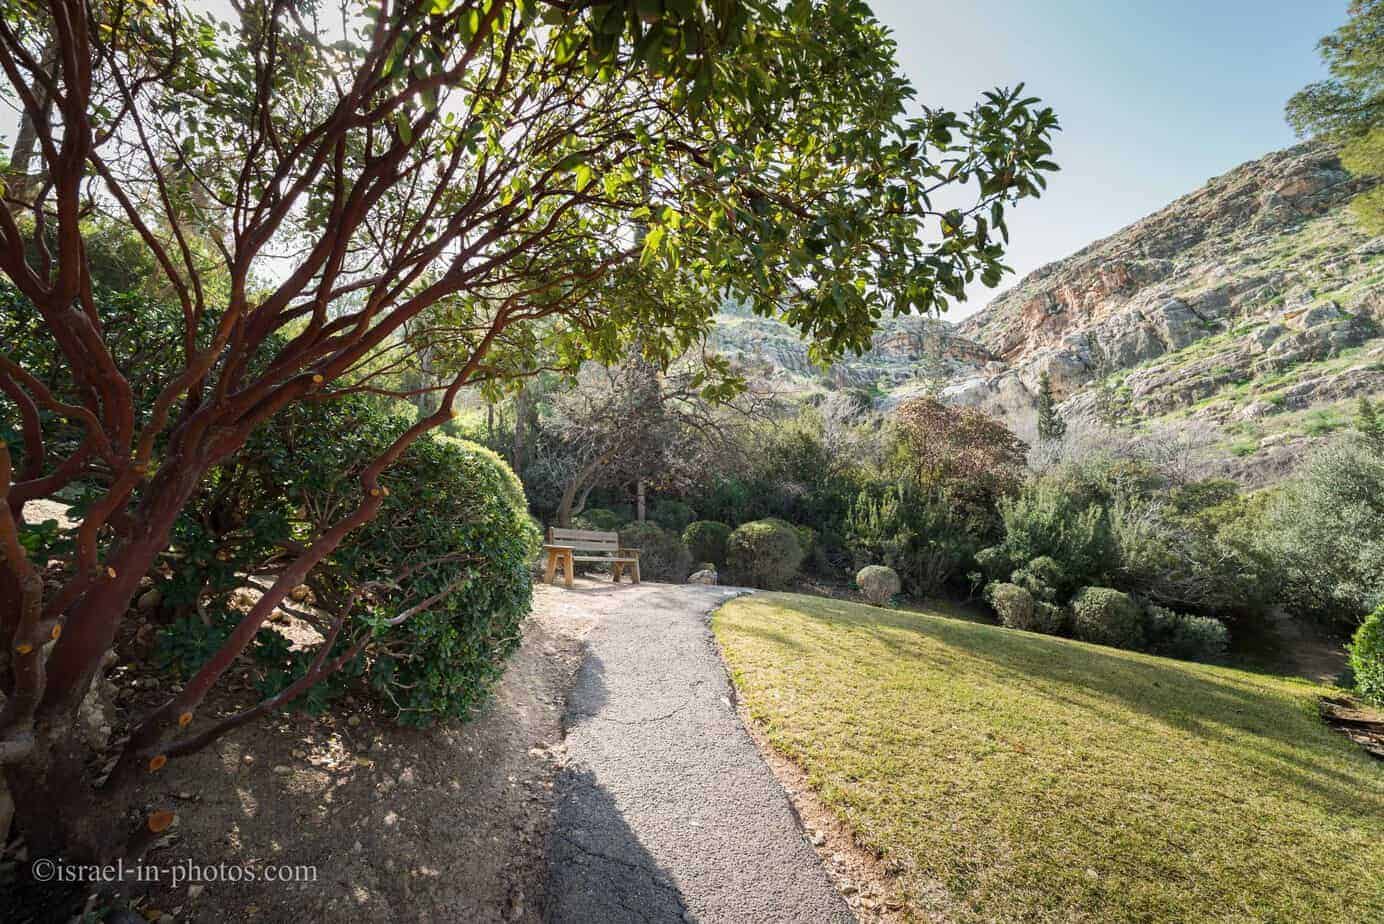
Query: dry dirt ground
column 444, row 824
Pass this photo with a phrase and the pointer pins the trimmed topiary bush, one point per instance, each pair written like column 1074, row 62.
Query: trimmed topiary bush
column 455, row 521
column 1107, row 617
column 599, row 518
column 1013, row 604
column 878, row 584
column 1367, row 657
column 662, row 556
column 672, row 515
column 706, row 540
column 763, row 553
column 995, row 563
column 1043, row 577
column 1180, row 635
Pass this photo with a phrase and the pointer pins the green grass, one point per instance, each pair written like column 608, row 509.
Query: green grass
column 1026, row 777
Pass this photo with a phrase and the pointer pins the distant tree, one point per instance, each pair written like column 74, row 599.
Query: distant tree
column 1051, row 426
column 963, row 452
column 1348, row 107
column 633, row 421
column 1370, row 424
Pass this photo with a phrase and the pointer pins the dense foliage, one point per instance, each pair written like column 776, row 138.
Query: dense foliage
column 1327, row 529
column 662, row 555
column 1367, row 657
column 1348, row 107
column 763, row 553
column 435, row 587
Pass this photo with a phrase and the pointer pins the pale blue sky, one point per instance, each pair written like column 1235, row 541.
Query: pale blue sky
column 1155, row 96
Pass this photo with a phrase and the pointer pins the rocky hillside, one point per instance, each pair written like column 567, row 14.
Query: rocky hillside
column 1254, row 306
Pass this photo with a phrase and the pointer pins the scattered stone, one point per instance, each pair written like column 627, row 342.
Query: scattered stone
column 407, row 778
column 248, row 759
column 353, row 721
column 300, row 594
column 705, row 576
column 283, row 769
column 818, row 838
column 299, row 754
column 194, row 892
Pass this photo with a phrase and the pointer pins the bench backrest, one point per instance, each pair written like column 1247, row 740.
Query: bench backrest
column 585, row 540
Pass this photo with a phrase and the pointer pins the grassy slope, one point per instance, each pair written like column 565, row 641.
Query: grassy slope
column 1038, row 778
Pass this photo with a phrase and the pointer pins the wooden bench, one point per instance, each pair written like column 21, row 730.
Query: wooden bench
column 564, row 544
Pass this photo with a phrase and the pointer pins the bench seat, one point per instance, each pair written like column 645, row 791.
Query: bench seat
column 564, row 545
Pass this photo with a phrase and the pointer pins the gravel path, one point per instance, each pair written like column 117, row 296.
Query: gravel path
column 666, row 811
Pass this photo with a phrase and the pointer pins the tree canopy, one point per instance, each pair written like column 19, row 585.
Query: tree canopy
column 1349, row 106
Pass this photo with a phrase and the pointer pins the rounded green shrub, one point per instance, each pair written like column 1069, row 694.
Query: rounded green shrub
column 1043, row 577
column 1107, row 617
column 446, row 497
column 1367, row 657
column 599, row 518
column 454, row 522
column 995, row 563
column 1181, row 635
column 672, row 515
column 878, row 584
column 662, row 555
column 764, row 553
column 1013, row 604
column 706, row 540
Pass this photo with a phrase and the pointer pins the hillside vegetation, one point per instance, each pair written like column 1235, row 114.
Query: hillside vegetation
column 1013, row 776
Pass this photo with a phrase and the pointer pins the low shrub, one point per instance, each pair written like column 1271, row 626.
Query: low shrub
column 706, row 541
column 1180, row 635
column 599, row 518
column 672, row 515
column 878, row 584
column 1107, row 617
column 1367, row 657
column 662, row 555
column 1013, row 604
column 763, row 553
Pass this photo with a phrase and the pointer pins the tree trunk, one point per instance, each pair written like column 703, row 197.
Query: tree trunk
column 580, row 482
column 521, row 421
column 22, row 185
column 639, row 499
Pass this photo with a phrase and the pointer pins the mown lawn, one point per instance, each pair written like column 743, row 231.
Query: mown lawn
column 1035, row 778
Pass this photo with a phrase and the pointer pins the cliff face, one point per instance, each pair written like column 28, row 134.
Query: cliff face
column 1253, row 307
column 1268, row 242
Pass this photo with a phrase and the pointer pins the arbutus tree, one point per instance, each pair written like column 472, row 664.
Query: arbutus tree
column 322, row 186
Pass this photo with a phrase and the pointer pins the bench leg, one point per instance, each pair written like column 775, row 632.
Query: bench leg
column 568, row 568
column 551, row 569
column 615, row 570
column 636, row 570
